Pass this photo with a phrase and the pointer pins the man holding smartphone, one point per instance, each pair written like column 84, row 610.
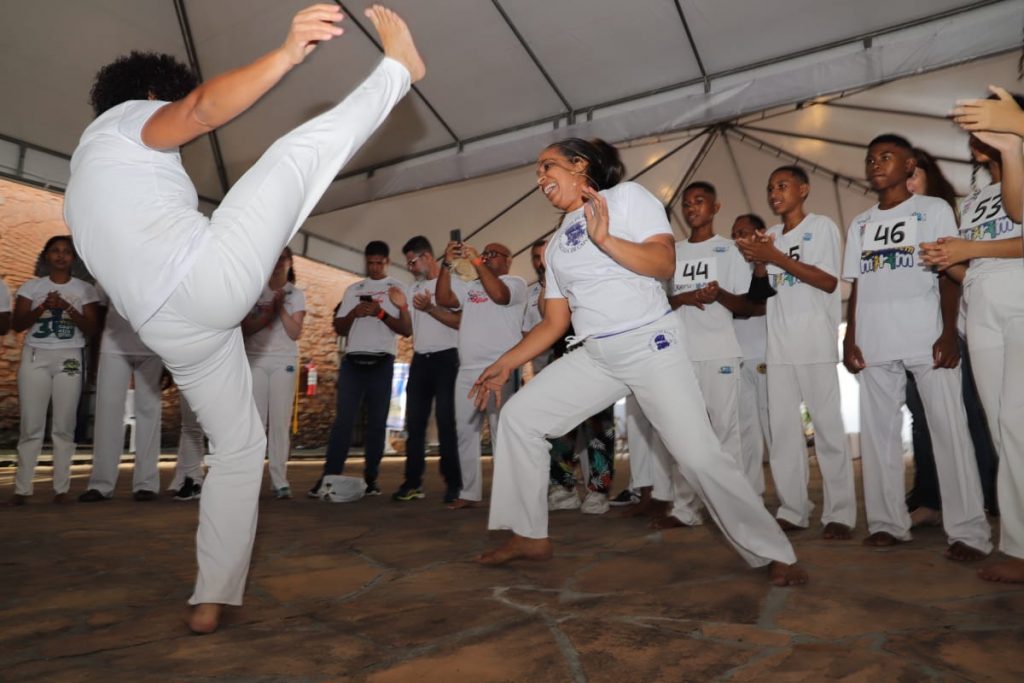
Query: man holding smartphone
column 372, row 314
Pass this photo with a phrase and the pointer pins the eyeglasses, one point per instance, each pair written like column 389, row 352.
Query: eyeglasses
column 491, row 253
column 412, row 262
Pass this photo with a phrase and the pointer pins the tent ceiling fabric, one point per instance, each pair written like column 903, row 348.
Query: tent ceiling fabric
column 507, row 77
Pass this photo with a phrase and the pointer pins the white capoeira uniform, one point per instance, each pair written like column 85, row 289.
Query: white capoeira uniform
column 123, row 356
column 191, row 448
column 755, row 435
column 802, row 352
column 273, row 360
column 994, row 296
column 486, row 332
column 632, row 345
column 50, row 372
column 532, row 318
column 185, row 281
column 898, row 320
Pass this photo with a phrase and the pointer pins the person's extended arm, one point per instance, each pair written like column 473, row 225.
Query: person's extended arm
column 949, row 251
column 497, row 291
column 217, row 101
column 946, row 349
column 654, row 257
column 403, row 323
column 445, row 316
column 544, row 334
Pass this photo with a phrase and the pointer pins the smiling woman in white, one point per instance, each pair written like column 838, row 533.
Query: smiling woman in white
column 271, row 332
column 59, row 312
column 605, row 267
column 185, row 281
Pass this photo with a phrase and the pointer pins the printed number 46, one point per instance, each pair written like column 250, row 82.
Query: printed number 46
column 995, row 210
column 895, row 235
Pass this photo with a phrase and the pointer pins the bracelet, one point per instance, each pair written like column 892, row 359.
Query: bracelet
column 381, row 314
column 445, row 264
column 478, row 261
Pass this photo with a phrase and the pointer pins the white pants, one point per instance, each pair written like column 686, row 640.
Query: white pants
column 755, row 435
column 47, row 375
column 469, row 424
column 273, row 388
column 817, row 385
column 995, row 333
column 191, row 448
column 653, row 364
column 112, row 379
column 883, row 388
column 196, row 331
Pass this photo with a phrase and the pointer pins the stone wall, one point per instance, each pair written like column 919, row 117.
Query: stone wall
column 29, row 216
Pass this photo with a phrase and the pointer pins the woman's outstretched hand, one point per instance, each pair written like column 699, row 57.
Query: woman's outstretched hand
column 310, row 27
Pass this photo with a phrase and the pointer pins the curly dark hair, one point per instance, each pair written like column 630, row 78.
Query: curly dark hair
column 138, row 76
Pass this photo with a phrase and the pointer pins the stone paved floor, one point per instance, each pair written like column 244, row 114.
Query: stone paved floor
column 380, row 591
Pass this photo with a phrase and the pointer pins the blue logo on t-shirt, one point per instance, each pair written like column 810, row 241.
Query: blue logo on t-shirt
column 721, row 250
column 808, row 236
column 574, row 237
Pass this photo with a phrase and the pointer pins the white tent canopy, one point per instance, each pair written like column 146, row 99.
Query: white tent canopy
column 728, row 89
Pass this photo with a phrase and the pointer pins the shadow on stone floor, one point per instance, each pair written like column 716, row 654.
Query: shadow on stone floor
column 384, row 591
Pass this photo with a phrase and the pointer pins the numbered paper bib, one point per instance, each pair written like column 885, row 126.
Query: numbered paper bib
column 984, row 218
column 792, row 252
column 695, row 273
column 894, row 233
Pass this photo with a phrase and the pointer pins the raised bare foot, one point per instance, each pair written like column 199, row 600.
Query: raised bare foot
column 788, row 574
column 462, row 504
column 882, row 539
column 17, row 500
column 397, row 40
column 787, row 525
column 923, row 516
column 666, row 522
column 961, row 552
column 834, row 531
column 1006, row 571
column 205, row 618
column 519, row 548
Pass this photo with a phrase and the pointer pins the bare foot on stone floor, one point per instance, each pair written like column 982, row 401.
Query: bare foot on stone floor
column 1005, row 571
column 788, row 574
column 519, row 548
column 961, row 552
column 397, row 40
column 834, row 531
column 205, row 618
column 463, row 504
column 883, row 539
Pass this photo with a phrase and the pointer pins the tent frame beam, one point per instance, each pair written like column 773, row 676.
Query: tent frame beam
column 693, row 47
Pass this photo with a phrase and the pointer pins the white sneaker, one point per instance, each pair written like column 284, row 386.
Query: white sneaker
column 595, row 503
column 561, row 498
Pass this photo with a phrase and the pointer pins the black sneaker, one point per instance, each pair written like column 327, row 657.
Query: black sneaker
column 144, row 496
column 372, row 489
column 92, row 496
column 406, row 494
column 189, row 490
column 625, row 497
column 315, row 491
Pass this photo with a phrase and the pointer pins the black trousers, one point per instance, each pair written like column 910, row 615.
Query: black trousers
column 431, row 380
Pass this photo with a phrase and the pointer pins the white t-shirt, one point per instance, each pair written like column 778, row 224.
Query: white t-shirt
column 118, row 336
column 5, row 298
column 532, row 317
column 54, row 330
column 803, row 321
column 368, row 334
column 487, row 329
column 709, row 333
column 898, row 313
column 273, row 340
column 606, row 298
column 751, row 333
column 982, row 218
column 132, row 211
column 429, row 335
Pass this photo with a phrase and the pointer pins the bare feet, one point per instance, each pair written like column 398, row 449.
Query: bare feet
column 519, row 548
column 882, row 539
column 923, row 516
column 666, row 522
column 397, row 40
column 463, row 504
column 205, row 618
column 62, row 499
column 787, row 525
column 834, row 531
column 788, row 574
column 17, row 500
column 961, row 552
column 1007, row 571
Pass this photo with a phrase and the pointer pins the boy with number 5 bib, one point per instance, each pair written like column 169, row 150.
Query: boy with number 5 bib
column 800, row 258
column 902, row 317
